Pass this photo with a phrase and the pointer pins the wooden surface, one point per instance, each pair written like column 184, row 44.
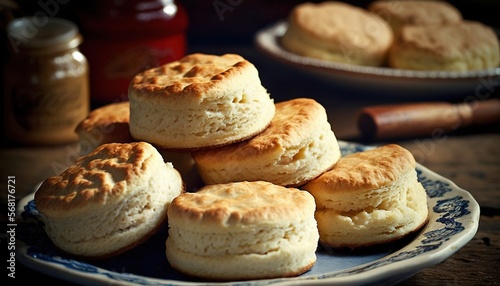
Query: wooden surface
column 469, row 157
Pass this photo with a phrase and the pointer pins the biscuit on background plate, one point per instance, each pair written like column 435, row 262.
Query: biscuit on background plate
column 419, row 12
column 460, row 47
column 339, row 32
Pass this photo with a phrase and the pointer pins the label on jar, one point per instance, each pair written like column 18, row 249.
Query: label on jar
column 49, row 115
column 47, row 109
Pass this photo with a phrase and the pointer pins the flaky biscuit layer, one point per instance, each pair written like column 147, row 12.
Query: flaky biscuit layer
column 109, row 200
column 298, row 146
column 243, row 230
column 369, row 198
column 198, row 102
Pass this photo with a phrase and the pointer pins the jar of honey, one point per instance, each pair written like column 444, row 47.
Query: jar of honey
column 46, row 82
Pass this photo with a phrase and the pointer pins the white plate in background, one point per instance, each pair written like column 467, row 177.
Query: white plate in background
column 382, row 81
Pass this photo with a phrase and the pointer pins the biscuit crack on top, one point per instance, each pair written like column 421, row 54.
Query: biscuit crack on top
column 258, row 230
column 108, row 217
column 219, row 101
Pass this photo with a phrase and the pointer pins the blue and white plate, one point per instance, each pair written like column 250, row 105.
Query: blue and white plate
column 453, row 221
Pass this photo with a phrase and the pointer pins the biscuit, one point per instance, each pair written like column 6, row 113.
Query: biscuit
column 298, row 146
column 242, row 230
column 110, row 124
column 109, row 201
column 461, row 47
column 338, row 32
column 200, row 101
column 369, row 198
column 400, row 13
column 106, row 124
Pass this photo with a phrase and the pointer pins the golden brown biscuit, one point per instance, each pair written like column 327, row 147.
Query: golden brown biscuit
column 109, row 201
column 298, row 146
column 200, row 101
column 106, row 124
column 400, row 13
column 243, row 230
column 461, row 47
column 110, row 124
column 339, row 32
column 369, row 198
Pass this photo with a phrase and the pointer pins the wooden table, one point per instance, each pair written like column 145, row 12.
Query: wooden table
column 470, row 158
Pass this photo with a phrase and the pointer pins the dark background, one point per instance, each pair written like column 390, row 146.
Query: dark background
column 224, row 26
column 244, row 18
column 221, row 23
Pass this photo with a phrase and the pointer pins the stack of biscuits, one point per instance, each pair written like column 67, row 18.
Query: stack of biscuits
column 272, row 177
column 413, row 35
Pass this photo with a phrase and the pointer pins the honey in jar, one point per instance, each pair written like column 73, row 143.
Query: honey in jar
column 46, row 81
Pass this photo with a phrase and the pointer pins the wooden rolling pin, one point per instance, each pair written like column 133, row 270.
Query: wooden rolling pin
column 425, row 118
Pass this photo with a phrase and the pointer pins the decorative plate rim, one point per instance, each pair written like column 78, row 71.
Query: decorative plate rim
column 267, row 40
column 453, row 222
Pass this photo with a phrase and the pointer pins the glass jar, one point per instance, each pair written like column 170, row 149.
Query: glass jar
column 123, row 38
column 46, row 82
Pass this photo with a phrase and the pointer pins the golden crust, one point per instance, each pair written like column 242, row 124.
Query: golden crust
column 460, row 47
column 107, row 117
column 290, row 126
column 208, row 147
column 243, row 230
column 106, row 124
column 298, row 146
column 400, row 13
column 94, row 179
column 200, row 101
column 369, row 198
column 192, row 76
column 229, row 206
column 367, row 170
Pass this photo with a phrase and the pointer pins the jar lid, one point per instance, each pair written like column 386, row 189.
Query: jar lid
column 42, row 33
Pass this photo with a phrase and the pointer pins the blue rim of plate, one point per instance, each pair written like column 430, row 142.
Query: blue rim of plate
column 453, row 222
column 268, row 40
